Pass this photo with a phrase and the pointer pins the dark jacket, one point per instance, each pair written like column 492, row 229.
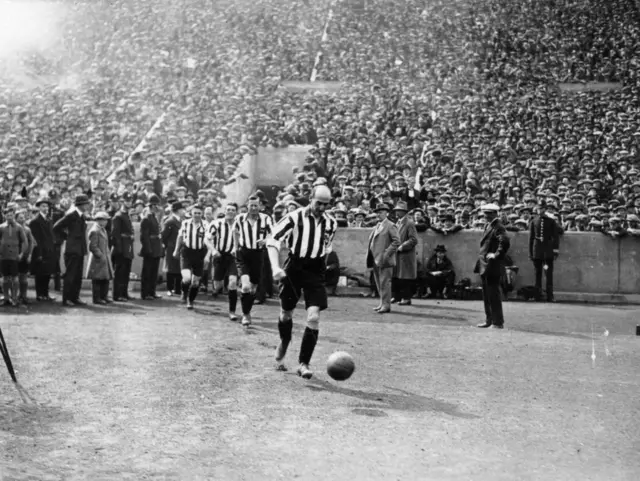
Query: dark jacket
column 43, row 258
column 56, row 215
column 150, row 237
column 544, row 238
column 494, row 241
column 72, row 227
column 122, row 235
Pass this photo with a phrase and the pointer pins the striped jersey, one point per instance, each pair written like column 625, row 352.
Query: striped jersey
column 193, row 235
column 251, row 233
column 306, row 235
column 222, row 234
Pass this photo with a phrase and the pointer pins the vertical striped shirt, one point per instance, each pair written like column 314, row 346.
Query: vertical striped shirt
column 251, row 233
column 193, row 234
column 306, row 235
column 222, row 235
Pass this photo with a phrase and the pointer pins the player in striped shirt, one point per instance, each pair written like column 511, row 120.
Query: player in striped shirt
column 308, row 233
column 224, row 261
column 250, row 232
column 192, row 246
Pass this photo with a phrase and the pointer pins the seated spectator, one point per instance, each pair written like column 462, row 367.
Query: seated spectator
column 440, row 274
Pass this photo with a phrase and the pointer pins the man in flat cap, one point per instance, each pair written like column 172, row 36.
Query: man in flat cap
column 493, row 248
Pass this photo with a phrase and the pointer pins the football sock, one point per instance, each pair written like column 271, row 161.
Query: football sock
column 309, row 340
column 233, row 300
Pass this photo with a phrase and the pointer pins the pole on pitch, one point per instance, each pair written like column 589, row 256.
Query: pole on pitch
column 7, row 359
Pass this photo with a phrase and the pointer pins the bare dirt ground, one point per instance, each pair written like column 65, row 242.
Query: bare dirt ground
column 153, row 391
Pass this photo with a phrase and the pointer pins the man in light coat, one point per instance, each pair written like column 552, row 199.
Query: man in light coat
column 99, row 266
column 381, row 256
column 406, row 269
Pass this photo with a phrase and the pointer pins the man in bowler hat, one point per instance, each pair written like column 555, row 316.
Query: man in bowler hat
column 493, row 247
column 73, row 228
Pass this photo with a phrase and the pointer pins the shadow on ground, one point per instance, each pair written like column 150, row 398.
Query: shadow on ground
column 400, row 400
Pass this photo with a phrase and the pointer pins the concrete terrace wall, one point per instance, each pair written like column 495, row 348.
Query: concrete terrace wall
column 588, row 263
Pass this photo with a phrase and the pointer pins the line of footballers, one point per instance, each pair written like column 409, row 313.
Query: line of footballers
column 235, row 246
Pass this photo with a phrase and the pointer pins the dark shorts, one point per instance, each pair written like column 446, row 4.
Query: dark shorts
column 303, row 275
column 224, row 266
column 9, row 268
column 249, row 263
column 23, row 267
column 193, row 260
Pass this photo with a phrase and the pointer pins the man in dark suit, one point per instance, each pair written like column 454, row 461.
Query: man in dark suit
column 544, row 244
column 151, row 250
column 43, row 259
column 73, row 228
column 122, row 249
column 493, row 247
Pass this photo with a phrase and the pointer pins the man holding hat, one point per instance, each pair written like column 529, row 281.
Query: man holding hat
column 122, row 249
column 406, row 269
column 544, row 242
column 73, row 228
column 151, row 250
column 43, row 260
column 493, row 247
column 169, row 237
column 381, row 255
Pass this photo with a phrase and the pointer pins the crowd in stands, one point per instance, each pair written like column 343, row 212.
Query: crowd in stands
column 444, row 104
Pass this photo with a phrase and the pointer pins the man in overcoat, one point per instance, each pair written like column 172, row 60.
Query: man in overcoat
column 544, row 245
column 493, row 247
column 43, row 260
column 381, row 256
column 73, row 228
column 99, row 266
column 151, row 250
column 406, row 269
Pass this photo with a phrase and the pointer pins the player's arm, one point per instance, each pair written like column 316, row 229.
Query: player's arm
column 213, row 235
column 236, row 236
column 274, row 243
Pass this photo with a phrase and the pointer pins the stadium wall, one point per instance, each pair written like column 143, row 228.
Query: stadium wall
column 589, row 263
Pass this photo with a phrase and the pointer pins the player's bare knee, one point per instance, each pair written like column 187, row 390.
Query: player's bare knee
column 246, row 288
column 233, row 283
column 286, row 316
column 186, row 277
column 313, row 320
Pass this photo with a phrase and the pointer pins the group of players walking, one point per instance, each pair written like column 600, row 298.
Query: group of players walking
column 235, row 247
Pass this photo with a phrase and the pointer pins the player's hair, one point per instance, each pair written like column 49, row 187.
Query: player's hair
column 232, row 204
column 253, row 197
